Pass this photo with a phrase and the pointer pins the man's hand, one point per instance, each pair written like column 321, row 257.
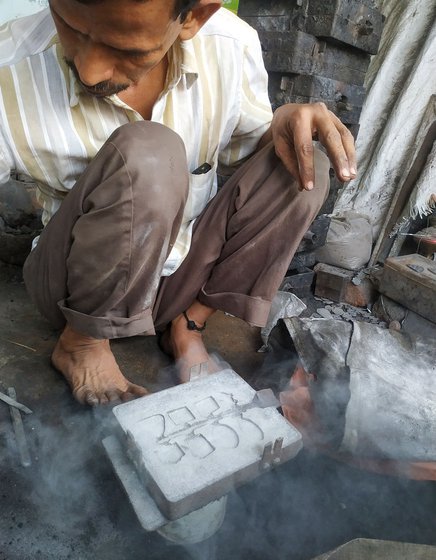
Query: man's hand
column 293, row 128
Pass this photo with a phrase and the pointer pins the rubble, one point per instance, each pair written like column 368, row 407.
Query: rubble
column 20, row 221
column 346, row 312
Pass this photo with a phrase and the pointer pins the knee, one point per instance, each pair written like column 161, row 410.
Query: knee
column 147, row 136
column 155, row 158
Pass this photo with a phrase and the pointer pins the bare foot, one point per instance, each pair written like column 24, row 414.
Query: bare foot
column 91, row 370
column 187, row 347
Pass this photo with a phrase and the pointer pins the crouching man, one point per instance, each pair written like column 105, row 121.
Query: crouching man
column 122, row 111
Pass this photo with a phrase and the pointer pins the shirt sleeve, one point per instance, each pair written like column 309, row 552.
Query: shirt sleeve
column 24, row 36
column 6, row 160
column 255, row 107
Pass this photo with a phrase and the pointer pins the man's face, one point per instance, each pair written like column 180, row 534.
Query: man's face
column 112, row 44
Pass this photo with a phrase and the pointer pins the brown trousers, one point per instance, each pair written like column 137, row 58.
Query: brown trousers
column 98, row 262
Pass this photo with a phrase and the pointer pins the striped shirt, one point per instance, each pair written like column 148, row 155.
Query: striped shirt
column 215, row 98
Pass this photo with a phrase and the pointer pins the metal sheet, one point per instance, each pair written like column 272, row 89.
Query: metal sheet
column 193, row 443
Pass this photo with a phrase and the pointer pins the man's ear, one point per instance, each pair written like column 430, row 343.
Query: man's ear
column 197, row 17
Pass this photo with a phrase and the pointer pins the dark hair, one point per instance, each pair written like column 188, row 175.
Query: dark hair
column 181, row 7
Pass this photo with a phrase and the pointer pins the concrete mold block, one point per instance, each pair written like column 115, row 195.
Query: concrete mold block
column 192, row 444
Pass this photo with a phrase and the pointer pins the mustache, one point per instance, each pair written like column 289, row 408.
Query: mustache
column 102, row 89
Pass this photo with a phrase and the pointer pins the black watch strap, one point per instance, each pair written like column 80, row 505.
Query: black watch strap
column 192, row 326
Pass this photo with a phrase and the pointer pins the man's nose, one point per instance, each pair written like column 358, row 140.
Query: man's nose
column 94, row 64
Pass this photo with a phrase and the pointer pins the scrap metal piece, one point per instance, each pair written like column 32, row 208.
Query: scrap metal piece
column 324, row 313
column 284, row 305
column 272, row 454
column 416, row 268
column 20, row 436
column 12, row 402
column 277, row 450
column 265, row 398
column 265, row 462
column 198, row 371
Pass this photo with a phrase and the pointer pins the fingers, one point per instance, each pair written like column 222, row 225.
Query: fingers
column 288, row 159
column 303, row 146
column 340, row 147
column 293, row 129
column 292, row 135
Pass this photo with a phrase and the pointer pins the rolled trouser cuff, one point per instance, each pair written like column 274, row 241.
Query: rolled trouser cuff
column 108, row 327
column 253, row 310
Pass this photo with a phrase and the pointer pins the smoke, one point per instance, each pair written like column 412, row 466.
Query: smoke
column 64, row 469
column 69, row 505
column 61, row 508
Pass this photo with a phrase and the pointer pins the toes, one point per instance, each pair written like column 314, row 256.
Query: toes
column 86, row 396
column 137, row 390
column 113, row 395
column 103, row 399
column 127, row 396
column 134, row 392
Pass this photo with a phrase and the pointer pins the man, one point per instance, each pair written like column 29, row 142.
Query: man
column 136, row 245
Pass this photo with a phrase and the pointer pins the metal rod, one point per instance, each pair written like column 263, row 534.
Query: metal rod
column 418, row 235
column 20, row 436
column 14, row 403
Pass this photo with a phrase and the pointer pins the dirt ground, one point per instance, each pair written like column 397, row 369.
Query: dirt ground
column 69, row 505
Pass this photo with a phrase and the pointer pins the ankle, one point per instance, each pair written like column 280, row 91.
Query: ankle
column 194, row 318
column 72, row 339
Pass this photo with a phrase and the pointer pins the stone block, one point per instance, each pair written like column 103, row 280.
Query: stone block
column 411, row 281
column 300, row 53
column 345, row 100
column 269, row 23
column 323, row 88
column 271, row 8
column 336, row 284
column 351, row 22
column 299, row 282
